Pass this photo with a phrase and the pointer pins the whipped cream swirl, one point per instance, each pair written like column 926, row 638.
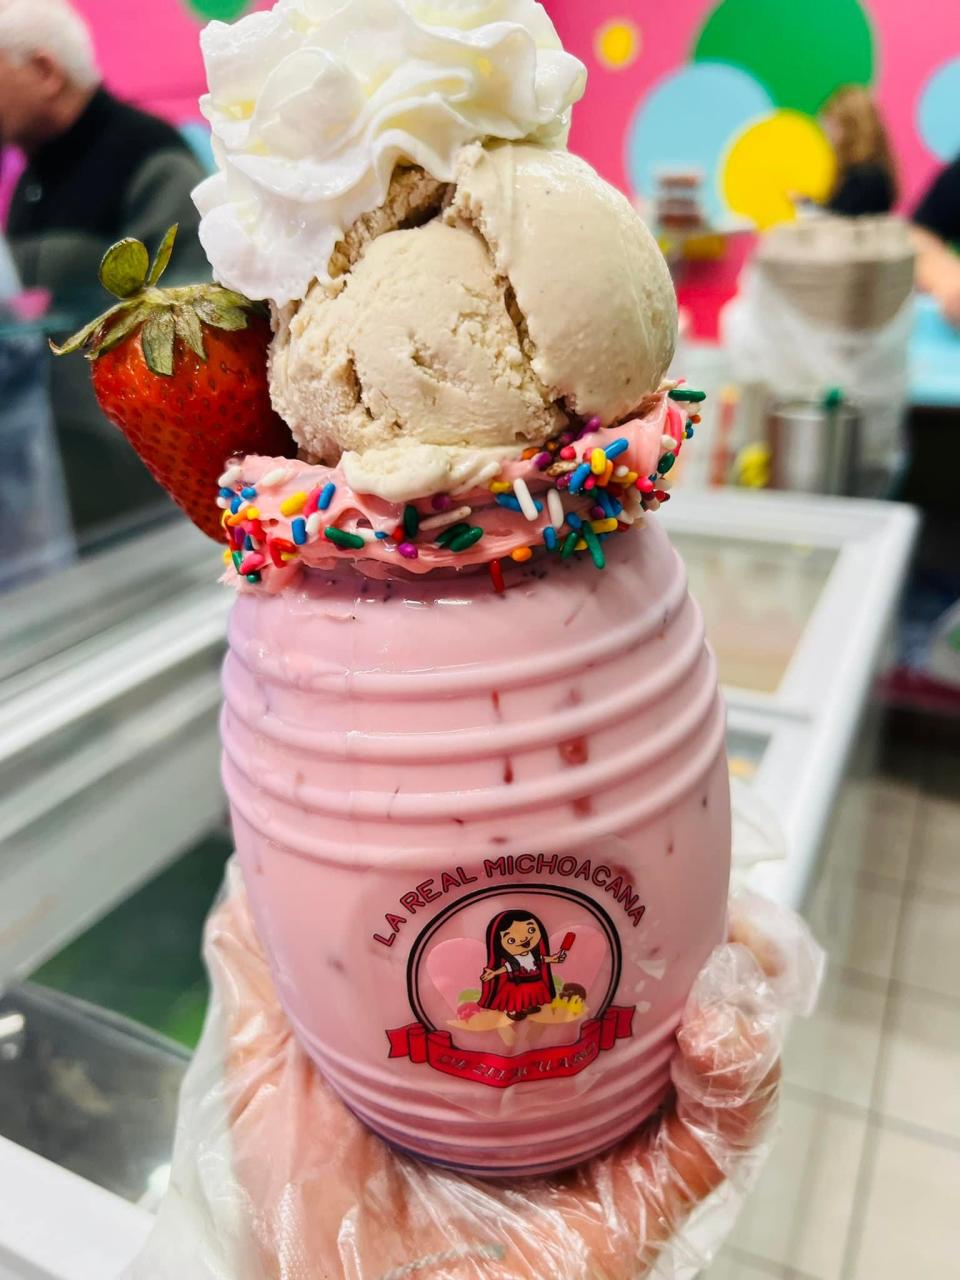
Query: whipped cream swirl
column 314, row 102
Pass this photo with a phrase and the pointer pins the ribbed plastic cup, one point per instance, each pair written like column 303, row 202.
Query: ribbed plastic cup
column 486, row 839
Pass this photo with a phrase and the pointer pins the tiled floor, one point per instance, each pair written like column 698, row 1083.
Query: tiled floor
column 864, row 1183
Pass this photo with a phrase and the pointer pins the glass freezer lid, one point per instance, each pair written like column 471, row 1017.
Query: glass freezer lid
column 59, row 621
column 745, row 752
column 757, row 599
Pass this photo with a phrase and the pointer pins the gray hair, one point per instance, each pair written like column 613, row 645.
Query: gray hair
column 49, row 26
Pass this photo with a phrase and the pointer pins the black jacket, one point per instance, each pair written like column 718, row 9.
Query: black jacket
column 939, row 210
column 117, row 172
column 866, row 188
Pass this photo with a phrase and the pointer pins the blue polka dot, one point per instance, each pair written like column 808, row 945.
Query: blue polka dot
column 198, row 136
column 687, row 122
column 938, row 112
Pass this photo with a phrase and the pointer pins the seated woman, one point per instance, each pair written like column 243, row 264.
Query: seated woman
column 866, row 176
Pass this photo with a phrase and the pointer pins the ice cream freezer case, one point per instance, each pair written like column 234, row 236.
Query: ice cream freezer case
column 109, row 762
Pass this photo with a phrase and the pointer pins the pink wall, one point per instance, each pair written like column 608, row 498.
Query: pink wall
column 601, row 118
column 918, row 39
column 149, row 52
column 912, row 40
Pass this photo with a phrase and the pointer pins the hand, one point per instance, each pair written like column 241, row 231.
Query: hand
column 948, row 298
column 315, row 1195
column 938, row 272
column 487, row 975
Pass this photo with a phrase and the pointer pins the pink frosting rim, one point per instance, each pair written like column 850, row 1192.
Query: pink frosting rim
column 277, row 511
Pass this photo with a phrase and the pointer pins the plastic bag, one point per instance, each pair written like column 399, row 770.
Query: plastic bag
column 273, row 1179
column 36, row 535
column 771, row 342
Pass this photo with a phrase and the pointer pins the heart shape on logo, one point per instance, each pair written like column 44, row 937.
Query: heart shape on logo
column 455, row 966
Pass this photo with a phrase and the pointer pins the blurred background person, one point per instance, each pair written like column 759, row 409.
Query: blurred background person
column 96, row 170
column 866, row 180
column 35, row 533
column 936, row 232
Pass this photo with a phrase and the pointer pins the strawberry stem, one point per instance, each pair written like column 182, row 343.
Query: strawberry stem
column 165, row 315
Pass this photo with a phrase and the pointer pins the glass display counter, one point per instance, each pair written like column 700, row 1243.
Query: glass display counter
column 799, row 595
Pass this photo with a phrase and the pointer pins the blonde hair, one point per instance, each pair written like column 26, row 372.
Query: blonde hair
column 54, row 27
column 862, row 136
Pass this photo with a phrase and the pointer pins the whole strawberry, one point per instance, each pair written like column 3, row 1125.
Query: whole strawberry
column 183, row 374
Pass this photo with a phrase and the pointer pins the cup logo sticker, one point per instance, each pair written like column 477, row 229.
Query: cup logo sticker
column 514, row 986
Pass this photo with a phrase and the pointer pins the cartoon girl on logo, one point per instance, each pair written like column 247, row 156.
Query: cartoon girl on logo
column 517, row 980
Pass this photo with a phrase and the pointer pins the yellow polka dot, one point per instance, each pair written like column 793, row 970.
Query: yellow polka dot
column 617, row 43
column 782, row 157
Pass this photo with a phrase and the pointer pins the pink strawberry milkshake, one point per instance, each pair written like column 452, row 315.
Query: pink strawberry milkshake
column 415, row 761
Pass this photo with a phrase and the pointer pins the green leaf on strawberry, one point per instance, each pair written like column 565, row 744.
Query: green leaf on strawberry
column 183, row 373
column 161, row 259
column 127, row 273
column 158, row 339
column 123, row 271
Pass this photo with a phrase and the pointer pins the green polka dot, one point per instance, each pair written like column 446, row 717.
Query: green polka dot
column 800, row 50
column 225, row 10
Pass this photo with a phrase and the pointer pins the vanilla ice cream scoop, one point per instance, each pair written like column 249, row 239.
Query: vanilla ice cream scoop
column 598, row 305
column 417, row 347
column 535, row 295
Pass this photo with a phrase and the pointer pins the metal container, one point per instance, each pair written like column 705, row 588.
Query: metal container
column 814, row 446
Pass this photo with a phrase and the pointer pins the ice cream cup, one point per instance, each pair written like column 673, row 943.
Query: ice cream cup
column 450, row 805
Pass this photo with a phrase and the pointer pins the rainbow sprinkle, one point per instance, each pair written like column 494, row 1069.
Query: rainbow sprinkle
column 293, row 505
column 464, row 541
column 683, row 395
column 340, row 538
column 454, row 531
column 594, row 547
column 579, row 478
column 445, row 519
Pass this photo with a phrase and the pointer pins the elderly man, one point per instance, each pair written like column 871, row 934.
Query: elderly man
column 97, row 170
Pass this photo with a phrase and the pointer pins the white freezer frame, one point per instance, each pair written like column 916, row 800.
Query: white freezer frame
column 811, row 720
column 56, row 1226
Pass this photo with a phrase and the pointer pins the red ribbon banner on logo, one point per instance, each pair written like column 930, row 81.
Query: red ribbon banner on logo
column 420, row 1044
